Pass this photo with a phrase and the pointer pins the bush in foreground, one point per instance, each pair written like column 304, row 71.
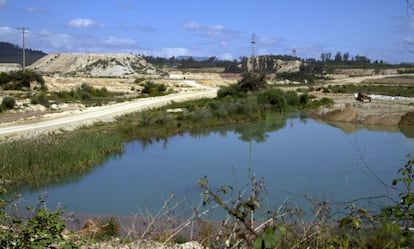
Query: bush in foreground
column 8, row 103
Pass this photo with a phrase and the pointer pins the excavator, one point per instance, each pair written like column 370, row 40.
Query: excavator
column 360, row 96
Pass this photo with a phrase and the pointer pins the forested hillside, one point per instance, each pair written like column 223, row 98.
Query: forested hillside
column 10, row 53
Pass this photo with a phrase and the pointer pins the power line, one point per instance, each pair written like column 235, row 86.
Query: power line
column 253, row 42
column 23, row 31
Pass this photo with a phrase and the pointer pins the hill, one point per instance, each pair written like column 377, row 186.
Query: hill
column 95, row 65
column 10, row 53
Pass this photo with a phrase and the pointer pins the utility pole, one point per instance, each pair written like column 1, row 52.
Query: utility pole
column 23, row 31
column 253, row 42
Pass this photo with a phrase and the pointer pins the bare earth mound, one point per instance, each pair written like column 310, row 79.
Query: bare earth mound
column 94, row 65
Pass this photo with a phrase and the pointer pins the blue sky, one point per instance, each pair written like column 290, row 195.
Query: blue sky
column 379, row 29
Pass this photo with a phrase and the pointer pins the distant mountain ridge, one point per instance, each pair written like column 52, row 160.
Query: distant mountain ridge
column 11, row 53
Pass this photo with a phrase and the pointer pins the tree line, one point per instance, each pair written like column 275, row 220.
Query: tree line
column 10, row 53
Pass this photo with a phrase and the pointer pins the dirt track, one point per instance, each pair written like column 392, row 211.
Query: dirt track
column 71, row 120
column 346, row 109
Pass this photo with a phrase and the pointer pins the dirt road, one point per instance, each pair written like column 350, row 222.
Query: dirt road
column 91, row 115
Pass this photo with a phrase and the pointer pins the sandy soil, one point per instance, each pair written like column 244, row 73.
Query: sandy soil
column 381, row 111
column 52, row 123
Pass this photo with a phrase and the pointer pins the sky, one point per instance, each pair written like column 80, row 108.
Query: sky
column 378, row 29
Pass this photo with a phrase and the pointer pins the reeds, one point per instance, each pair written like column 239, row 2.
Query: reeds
column 50, row 159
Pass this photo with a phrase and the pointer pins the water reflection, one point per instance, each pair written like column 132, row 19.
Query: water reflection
column 296, row 156
column 350, row 128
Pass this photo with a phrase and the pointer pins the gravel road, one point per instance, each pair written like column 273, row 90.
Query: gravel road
column 95, row 114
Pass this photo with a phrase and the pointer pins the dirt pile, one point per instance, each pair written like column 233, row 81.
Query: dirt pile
column 94, row 65
column 378, row 112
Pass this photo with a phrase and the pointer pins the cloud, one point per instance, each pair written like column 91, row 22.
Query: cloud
column 51, row 42
column 84, row 23
column 219, row 32
column 32, row 10
column 11, row 35
column 169, row 52
column 117, row 42
column 268, row 41
column 192, row 26
column 3, row 3
column 226, row 56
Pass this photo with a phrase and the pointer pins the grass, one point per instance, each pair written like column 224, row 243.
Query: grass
column 48, row 160
column 389, row 90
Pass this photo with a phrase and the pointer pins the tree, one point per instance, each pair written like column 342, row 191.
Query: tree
column 338, row 57
column 252, row 82
column 325, row 57
column 346, row 57
column 359, row 59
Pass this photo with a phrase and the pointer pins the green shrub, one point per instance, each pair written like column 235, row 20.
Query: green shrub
column 18, row 80
column 40, row 99
column 304, row 99
column 139, row 80
column 252, row 82
column 8, row 103
column 326, row 102
column 274, row 98
column 109, row 228
column 292, row 98
column 153, row 89
column 42, row 229
column 232, row 90
column 200, row 115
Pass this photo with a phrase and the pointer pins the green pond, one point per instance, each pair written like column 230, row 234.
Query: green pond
column 297, row 157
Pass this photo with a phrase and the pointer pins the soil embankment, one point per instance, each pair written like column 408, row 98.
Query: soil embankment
column 367, row 113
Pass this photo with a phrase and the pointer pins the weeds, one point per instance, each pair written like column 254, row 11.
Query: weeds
column 389, row 90
column 288, row 227
column 46, row 160
column 41, row 229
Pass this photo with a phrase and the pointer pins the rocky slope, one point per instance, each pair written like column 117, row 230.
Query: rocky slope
column 94, row 65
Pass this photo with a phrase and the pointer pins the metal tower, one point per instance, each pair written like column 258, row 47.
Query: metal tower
column 253, row 42
column 23, row 31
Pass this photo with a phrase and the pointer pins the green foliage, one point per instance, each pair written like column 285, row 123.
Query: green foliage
column 18, row 80
column 154, row 89
column 46, row 159
column 286, row 227
column 241, row 211
column 109, row 228
column 8, row 103
column 85, row 93
column 40, row 99
column 304, row 99
column 268, row 239
column 403, row 212
column 274, row 99
column 139, row 80
column 325, row 102
column 389, row 90
column 42, row 229
column 252, row 82
column 233, row 91
column 299, row 77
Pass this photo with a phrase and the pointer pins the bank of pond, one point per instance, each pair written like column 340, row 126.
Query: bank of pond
column 297, row 157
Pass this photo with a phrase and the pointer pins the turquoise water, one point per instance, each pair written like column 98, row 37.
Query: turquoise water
column 296, row 157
